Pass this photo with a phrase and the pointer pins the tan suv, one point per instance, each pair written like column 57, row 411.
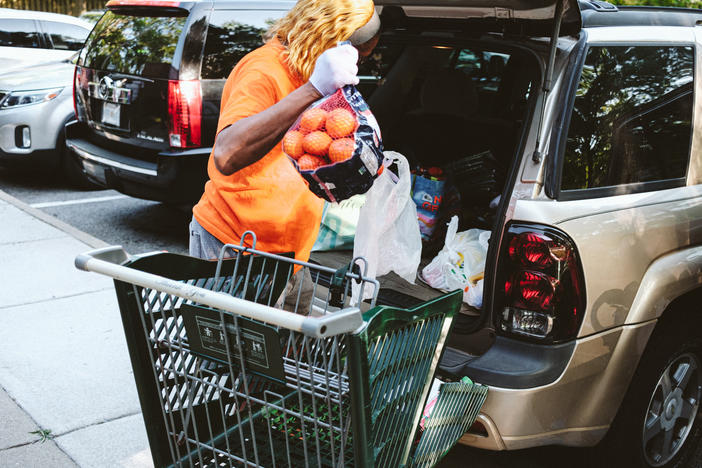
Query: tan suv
column 585, row 118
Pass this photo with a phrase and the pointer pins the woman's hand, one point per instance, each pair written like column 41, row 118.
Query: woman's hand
column 335, row 68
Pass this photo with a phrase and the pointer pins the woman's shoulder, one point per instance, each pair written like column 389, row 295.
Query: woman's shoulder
column 267, row 58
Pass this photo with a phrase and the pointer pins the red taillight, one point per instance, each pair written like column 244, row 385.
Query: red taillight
column 531, row 249
column 145, row 3
column 535, row 290
column 542, row 283
column 76, row 78
column 185, row 111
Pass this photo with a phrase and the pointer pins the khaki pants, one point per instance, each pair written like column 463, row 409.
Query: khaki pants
column 298, row 293
column 293, row 299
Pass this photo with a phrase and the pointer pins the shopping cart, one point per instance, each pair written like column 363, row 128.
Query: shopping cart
column 234, row 367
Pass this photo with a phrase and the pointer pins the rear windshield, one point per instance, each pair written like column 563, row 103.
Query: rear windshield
column 136, row 45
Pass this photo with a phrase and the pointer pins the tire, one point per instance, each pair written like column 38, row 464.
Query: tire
column 656, row 425
column 71, row 168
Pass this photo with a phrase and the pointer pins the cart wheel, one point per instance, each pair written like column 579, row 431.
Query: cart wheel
column 656, row 425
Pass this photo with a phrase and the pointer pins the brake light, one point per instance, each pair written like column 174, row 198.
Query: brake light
column 542, row 295
column 76, row 77
column 146, row 3
column 79, row 84
column 185, row 111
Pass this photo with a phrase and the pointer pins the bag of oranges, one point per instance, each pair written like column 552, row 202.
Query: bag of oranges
column 335, row 145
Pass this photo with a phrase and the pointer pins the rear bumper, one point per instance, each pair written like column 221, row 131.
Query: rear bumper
column 171, row 176
column 576, row 408
column 37, row 159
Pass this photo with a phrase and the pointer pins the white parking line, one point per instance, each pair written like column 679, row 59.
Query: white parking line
column 77, row 202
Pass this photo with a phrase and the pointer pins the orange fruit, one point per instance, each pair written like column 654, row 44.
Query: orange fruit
column 316, row 143
column 309, row 162
column 341, row 149
column 292, row 144
column 312, row 119
column 340, row 123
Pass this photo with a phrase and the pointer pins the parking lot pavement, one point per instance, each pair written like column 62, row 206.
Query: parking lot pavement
column 138, row 225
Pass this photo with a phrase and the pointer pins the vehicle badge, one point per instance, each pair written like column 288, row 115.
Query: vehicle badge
column 105, row 86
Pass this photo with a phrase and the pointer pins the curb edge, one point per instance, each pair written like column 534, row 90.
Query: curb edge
column 84, row 237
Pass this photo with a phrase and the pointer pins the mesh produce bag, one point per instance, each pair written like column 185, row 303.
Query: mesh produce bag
column 335, row 144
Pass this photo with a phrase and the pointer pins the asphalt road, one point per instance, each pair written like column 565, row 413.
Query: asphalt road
column 143, row 226
column 138, row 225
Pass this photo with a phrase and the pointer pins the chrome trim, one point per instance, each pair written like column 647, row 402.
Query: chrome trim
column 108, row 162
column 110, row 90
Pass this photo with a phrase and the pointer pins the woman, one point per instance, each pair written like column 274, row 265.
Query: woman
column 253, row 185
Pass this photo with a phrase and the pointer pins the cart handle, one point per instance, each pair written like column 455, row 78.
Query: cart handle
column 108, row 261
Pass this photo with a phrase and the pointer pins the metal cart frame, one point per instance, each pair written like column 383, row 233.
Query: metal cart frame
column 361, row 379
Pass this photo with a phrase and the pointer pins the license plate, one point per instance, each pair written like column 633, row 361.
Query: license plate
column 110, row 114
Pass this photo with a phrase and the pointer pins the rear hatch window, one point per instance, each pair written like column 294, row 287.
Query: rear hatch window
column 128, row 80
column 135, row 45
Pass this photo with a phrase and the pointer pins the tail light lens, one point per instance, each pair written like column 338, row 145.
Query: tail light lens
column 185, row 111
column 76, row 82
column 542, row 295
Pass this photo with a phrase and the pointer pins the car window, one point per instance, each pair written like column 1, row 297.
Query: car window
column 632, row 118
column 231, row 35
column 485, row 68
column 65, row 36
column 138, row 45
column 19, row 33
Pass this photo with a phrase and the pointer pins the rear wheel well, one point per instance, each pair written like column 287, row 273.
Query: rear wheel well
column 675, row 337
column 683, row 308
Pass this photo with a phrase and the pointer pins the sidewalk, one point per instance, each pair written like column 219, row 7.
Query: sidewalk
column 64, row 367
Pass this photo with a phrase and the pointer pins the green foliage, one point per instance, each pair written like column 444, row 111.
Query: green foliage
column 627, row 104
column 667, row 3
column 130, row 43
column 44, row 435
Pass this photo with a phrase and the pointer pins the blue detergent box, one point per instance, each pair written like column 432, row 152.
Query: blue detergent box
column 427, row 194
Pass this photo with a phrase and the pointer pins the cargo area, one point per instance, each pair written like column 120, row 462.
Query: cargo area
column 456, row 104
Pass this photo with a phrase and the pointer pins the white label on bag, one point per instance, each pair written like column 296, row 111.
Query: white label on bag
column 369, row 160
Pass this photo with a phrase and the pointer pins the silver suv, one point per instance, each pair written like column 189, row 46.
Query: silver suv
column 585, row 118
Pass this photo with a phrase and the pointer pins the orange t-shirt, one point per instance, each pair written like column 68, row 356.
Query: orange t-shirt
column 268, row 197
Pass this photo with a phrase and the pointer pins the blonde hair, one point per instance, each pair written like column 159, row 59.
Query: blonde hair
column 313, row 26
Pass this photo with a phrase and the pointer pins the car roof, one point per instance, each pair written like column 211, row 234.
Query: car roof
column 42, row 15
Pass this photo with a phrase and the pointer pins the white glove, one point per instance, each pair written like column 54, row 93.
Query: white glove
column 334, row 69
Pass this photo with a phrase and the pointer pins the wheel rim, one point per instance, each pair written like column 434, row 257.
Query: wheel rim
column 672, row 409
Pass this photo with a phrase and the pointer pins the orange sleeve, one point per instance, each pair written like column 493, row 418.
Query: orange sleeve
column 248, row 92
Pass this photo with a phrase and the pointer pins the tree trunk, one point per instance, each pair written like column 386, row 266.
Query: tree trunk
column 78, row 7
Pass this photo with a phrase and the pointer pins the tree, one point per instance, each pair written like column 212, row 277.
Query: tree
column 668, row 3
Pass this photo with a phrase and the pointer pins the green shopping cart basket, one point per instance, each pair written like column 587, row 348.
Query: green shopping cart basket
column 236, row 366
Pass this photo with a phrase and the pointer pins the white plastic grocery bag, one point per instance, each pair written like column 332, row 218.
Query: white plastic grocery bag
column 387, row 235
column 462, row 258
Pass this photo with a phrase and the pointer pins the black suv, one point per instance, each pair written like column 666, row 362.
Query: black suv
column 148, row 85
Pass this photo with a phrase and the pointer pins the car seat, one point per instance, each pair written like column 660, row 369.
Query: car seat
column 438, row 130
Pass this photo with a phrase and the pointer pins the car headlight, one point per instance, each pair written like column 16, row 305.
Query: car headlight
column 26, row 98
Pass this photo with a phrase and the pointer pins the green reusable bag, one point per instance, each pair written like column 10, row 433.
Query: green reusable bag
column 338, row 227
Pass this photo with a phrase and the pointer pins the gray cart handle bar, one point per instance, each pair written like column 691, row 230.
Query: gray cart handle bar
column 108, row 261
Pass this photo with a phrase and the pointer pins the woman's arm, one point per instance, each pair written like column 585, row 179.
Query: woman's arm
column 249, row 139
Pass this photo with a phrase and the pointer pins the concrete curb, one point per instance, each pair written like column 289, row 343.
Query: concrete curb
column 84, row 237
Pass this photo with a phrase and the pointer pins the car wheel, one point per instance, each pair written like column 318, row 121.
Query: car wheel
column 657, row 423
column 71, row 167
